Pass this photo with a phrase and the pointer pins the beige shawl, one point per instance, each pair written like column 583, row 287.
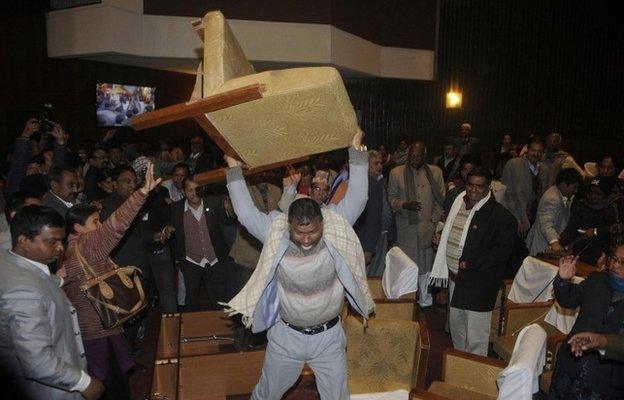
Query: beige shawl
column 336, row 230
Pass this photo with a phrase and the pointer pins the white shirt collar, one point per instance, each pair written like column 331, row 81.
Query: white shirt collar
column 67, row 203
column 197, row 213
column 37, row 264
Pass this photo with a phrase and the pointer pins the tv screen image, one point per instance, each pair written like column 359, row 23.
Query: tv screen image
column 117, row 104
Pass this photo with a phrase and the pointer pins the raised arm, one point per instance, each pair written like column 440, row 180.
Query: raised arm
column 356, row 196
column 256, row 222
column 104, row 239
column 59, row 146
column 568, row 294
column 289, row 183
column 20, row 157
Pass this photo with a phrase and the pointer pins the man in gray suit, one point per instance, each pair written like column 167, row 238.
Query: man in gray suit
column 416, row 192
column 526, row 179
column 40, row 343
column 63, row 189
column 553, row 213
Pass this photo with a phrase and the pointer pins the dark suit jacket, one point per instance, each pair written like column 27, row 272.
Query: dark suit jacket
column 594, row 296
column 615, row 347
column 131, row 249
column 368, row 225
column 50, row 200
column 215, row 214
column 204, row 162
column 450, row 170
column 486, row 250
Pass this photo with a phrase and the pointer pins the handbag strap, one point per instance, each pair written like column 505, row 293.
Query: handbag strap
column 86, row 268
column 85, row 265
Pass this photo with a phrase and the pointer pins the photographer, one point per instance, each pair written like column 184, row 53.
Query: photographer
column 21, row 154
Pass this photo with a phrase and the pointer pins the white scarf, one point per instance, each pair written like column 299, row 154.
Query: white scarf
column 439, row 272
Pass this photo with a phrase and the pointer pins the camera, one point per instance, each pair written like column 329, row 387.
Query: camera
column 46, row 124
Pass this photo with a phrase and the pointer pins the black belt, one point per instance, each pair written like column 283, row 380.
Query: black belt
column 313, row 330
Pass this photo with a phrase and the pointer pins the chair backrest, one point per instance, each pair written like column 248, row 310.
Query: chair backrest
column 404, row 309
column 521, row 377
column 374, row 285
column 472, row 372
column 224, row 58
column 377, row 292
column 519, row 315
column 385, row 356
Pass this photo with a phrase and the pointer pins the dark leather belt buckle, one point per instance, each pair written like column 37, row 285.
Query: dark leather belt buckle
column 313, row 330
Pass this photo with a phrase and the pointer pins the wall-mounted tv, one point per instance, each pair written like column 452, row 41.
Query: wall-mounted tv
column 116, row 104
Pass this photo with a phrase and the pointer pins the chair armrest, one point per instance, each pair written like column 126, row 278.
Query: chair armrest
column 420, row 369
column 553, row 343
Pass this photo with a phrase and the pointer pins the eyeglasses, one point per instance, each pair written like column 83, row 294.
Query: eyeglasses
column 616, row 260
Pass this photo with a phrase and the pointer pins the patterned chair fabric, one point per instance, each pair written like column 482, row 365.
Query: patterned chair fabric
column 303, row 111
column 382, row 357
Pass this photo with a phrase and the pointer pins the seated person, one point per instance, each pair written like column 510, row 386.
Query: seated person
column 593, row 221
column 600, row 297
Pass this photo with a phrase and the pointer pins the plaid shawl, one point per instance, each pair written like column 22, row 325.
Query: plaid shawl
column 336, row 230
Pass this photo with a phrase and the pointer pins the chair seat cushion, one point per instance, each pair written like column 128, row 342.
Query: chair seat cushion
column 303, row 111
column 370, row 385
column 456, row 392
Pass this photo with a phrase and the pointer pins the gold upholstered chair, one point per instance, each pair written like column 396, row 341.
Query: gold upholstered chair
column 517, row 316
column 306, row 106
column 386, row 355
column 377, row 292
column 405, row 308
column 464, row 376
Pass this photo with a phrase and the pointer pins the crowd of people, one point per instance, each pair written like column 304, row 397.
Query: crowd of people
column 465, row 223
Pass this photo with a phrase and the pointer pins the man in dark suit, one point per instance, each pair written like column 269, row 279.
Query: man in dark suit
column 131, row 250
column 449, row 161
column 476, row 260
column 591, row 374
column 63, row 189
column 368, row 227
column 200, row 160
column 200, row 248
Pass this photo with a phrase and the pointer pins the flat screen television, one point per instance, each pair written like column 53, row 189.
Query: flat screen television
column 116, row 104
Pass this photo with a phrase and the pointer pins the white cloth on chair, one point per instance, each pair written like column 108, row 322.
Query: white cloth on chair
column 521, row 377
column 533, row 281
column 401, row 274
column 400, row 394
column 561, row 318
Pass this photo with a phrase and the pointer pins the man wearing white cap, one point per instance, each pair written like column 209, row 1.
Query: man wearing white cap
column 466, row 144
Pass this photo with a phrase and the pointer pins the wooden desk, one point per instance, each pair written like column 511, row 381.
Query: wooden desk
column 582, row 269
column 201, row 369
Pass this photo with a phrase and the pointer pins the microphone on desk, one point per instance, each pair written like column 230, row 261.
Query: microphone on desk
column 570, row 246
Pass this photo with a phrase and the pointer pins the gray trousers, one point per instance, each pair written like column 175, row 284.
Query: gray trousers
column 289, row 349
column 470, row 330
